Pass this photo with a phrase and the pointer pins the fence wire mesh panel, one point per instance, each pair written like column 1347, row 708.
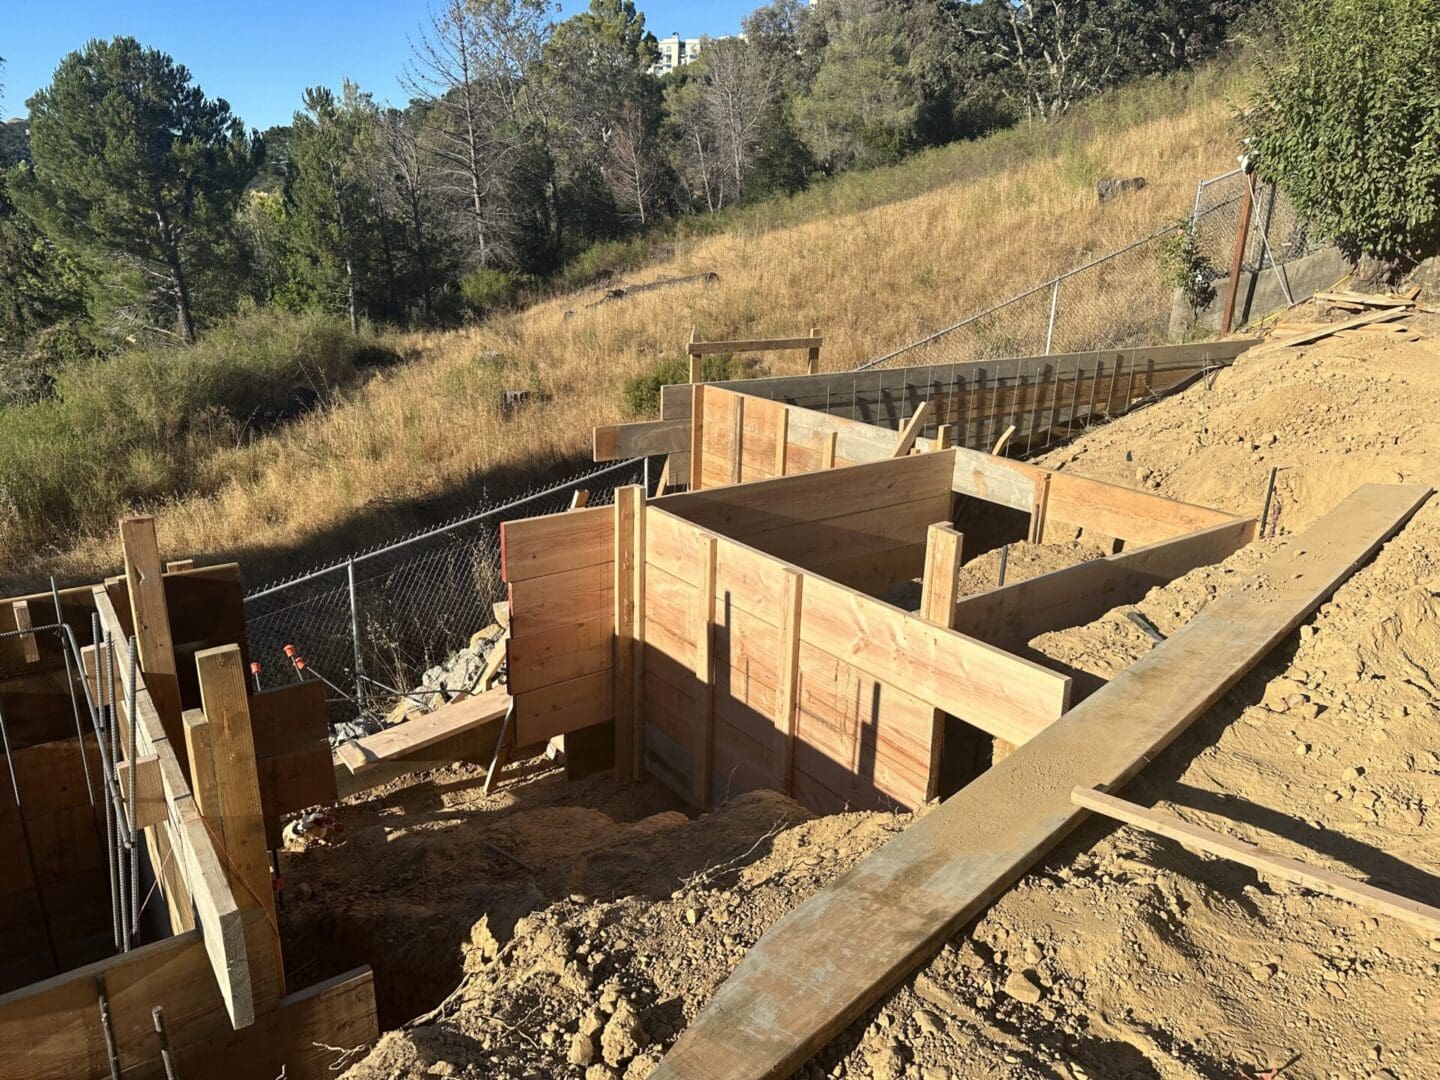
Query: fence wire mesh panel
column 374, row 623
column 1121, row 299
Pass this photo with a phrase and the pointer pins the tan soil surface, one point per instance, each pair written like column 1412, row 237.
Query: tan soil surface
column 1120, row 955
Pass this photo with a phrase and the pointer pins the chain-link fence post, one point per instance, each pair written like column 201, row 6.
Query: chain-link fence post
column 355, row 636
column 1054, row 304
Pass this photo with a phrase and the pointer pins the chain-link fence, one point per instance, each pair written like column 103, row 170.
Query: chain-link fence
column 373, row 623
column 1121, row 299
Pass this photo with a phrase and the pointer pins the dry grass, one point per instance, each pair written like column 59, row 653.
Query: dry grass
column 872, row 280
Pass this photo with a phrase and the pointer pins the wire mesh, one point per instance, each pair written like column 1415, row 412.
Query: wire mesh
column 1120, row 300
column 415, row 602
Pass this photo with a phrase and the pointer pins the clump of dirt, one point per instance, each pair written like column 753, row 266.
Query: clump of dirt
column 1121, row 954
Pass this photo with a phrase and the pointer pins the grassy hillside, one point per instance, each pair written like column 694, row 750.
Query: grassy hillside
column 874, row 259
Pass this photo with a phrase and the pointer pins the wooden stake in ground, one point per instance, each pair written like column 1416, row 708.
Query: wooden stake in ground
column 1210, row 842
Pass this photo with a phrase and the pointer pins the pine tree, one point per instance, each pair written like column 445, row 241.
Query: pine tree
column 134, row 169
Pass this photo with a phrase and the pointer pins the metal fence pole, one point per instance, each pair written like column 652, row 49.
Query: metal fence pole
column 646, row 473
column 1054, row 304
column 355, row 635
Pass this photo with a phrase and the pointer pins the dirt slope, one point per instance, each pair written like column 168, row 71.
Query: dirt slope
column 1121, row 955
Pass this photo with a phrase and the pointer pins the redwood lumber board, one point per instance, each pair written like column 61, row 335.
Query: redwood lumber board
column 707, row 348
column 421, row 731
column 1269, row 863
column 1135, row 516
column 540, row 546
column 1384, row 315
column 822, row 965
column 618, row 442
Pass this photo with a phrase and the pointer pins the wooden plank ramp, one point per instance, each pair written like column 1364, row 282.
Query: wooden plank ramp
column 821, row 966
column 422, row 731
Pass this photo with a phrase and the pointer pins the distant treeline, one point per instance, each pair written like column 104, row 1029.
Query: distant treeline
column 135, row 208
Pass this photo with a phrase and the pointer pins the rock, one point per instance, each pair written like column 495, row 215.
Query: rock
column 925, row 1020
column 623, row 1037
column 692, row 916
column 1353, row 773
column 444, row 1068
column 1435, row 944
column 1261, row 972
column 304, row 892
column 582, row 1050
column 885, row 1063
column 591, row 1023
column 1023, row 986
column 643, row 1065
column 600, row 1072
column 1106, row 190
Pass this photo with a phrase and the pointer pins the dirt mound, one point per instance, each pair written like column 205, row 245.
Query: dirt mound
column 1121, row 955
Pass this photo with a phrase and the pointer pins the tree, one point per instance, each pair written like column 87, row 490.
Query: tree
column 1348, row 123
column 133, row 165
column 331, row 222
column 726, row 109
column 631, row 167
column 1047, row 54
column 468, row 71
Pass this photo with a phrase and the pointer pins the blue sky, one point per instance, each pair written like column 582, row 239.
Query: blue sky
column 260, row 54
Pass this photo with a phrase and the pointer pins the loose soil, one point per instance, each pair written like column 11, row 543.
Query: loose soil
column 610, row 918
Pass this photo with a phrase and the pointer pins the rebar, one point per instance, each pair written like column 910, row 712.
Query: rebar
column 1004, row 558
column 122, row 840
column 70, row 685
column 105, row 693
column 111, row 1053
column 132, row 919
column 167, row 1058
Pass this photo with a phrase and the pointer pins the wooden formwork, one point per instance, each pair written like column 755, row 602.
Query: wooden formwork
column 1041, row 397
column 215, row 767
column 734, row 634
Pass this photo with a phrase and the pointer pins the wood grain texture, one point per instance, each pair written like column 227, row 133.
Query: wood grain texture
column 823, row 964
column 541, row 546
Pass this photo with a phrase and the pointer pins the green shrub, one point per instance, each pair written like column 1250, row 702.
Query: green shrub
column 601, row 261
column 642, row 393
column 139, row 426
column 486, row 290
column 1185, row 267
column 1348, row 123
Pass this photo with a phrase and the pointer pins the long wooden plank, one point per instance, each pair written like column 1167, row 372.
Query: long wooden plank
column 822, row 965
column 1271, row 864
column 197, row 878
column 1386, row 315
column 1011, row 698
column 708, row 348
column 421, row 731
column 564, row 707
column 151, row 620
column 620, row 442
column 1135, row 516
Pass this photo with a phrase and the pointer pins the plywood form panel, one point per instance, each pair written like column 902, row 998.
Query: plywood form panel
column 561, row 707
column 1135, row 516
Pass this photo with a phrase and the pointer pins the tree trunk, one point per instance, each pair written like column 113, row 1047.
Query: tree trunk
column 184, row 321
column 350, row 297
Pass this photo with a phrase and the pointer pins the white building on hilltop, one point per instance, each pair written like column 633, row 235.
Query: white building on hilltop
column 674, row 51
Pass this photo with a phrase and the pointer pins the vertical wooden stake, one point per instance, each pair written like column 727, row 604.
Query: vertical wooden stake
column 827, row 449
column 737, row 441
column 787, row 695
column 179, row 566
column 697, row 435
column 629, row 512
column 28, row 645
column 812, row 356
column 782, row 440
column 705, row 671
column 945, row 437
column 938, row 595
column 697, row 362
column 227, row 794
column 1038, row 507
column 151, row 619
column 664, row 483
column 1237, row 257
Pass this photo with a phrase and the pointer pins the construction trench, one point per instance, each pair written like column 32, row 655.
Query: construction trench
column 835, row 617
